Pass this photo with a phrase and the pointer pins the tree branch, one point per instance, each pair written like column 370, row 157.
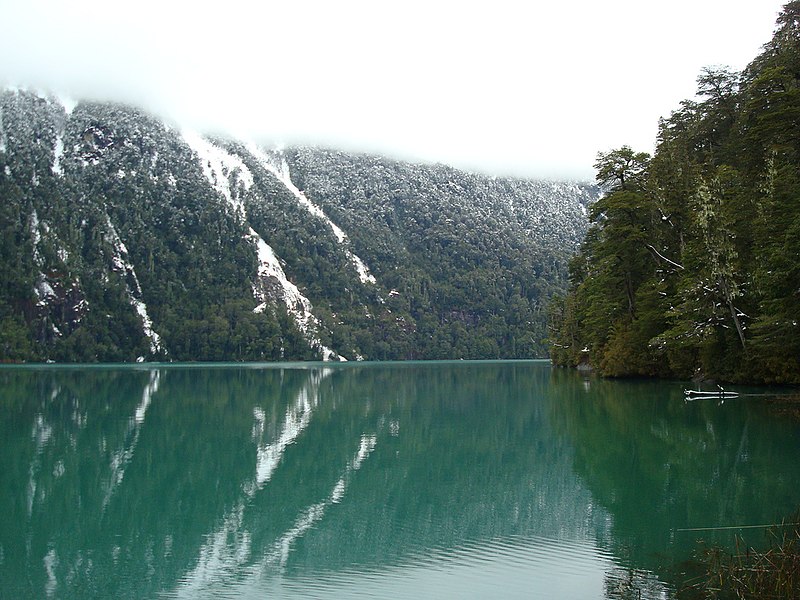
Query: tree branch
column 664, row 258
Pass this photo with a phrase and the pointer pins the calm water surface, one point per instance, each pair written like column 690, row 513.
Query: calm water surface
column 399, row 480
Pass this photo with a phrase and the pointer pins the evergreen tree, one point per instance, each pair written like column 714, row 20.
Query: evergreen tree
column 692, row 262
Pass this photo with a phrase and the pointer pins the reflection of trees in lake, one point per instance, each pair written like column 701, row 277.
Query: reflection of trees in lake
column 114, row 476
column 128, row 482
column 658, row 464
column 125, row 482
column 462, row 454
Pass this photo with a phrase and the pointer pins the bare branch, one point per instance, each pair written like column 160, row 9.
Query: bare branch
column 664, row 258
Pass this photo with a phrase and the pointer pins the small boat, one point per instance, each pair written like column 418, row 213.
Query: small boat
column 720, row 393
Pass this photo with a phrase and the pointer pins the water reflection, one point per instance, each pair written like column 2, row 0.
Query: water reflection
column 122, row 457
column 372, row 481
column 662, row 467
column 228, row 550
column 228, row 547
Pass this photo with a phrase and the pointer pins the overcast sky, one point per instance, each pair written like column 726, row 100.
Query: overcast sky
column 505, row 87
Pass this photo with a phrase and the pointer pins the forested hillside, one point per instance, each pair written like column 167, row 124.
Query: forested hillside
column 469, row 262
column 691, row 266
column 126, row 239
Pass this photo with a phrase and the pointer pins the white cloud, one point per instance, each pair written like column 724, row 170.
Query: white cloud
column 502, row 86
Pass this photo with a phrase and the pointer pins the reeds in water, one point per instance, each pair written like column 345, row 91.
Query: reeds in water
column 755, row 575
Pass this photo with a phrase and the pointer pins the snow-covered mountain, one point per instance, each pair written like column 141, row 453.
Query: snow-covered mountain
column 124, row 238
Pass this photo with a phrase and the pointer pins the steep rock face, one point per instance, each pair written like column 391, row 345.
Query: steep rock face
column 125, row 239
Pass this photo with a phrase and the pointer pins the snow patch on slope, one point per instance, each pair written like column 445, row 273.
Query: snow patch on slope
column 54, row 293
column 68, row 103
column 58, row 152
column 299, row 307
column 280, row 169
column 3, row 142
column 43, row 290
column 229, row 176
column 121, row 264
column 222, row 169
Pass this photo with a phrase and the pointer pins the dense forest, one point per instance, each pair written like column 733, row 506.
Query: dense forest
column 691, row 265
column 123, row 238
column 469, row 262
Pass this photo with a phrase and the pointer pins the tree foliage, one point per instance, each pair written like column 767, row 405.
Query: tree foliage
column 105, row 213
column 692, row 262
column 122, row 241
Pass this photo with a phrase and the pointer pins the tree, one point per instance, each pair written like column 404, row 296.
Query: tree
column 621, row 169
column 717, row 209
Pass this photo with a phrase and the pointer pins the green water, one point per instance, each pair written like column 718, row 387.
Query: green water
column 399, row 480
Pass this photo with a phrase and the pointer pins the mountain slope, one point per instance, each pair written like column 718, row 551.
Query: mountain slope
column 125, row 239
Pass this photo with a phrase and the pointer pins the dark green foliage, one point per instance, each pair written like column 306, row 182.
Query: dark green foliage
column 468, row 262
column 123, row 215
column 692, row 263
column 120, row 241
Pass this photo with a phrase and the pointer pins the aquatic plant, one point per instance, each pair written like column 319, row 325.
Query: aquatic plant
column 773, row 573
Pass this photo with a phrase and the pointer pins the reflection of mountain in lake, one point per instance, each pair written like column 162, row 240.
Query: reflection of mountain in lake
column 132, row 482
column 393, row 466
column 117, row 475
column 194, row 482
column 464, row 455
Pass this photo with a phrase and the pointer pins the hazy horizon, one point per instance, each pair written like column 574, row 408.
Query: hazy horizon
column 498, row 89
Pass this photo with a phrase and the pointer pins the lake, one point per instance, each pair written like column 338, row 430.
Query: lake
column 373, row 480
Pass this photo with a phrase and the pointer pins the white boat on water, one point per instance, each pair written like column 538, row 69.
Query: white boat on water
column 720, row 393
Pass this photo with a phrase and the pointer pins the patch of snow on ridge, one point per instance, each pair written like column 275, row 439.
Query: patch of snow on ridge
column 147, row 326
column 299, row 307
column 280, row 169
column 3, row 142
column 68, row 103
column 219, row 167
column 43, row 290
column 228, row 175
column 268, row 266
column 120, row 264
column 58, row 151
